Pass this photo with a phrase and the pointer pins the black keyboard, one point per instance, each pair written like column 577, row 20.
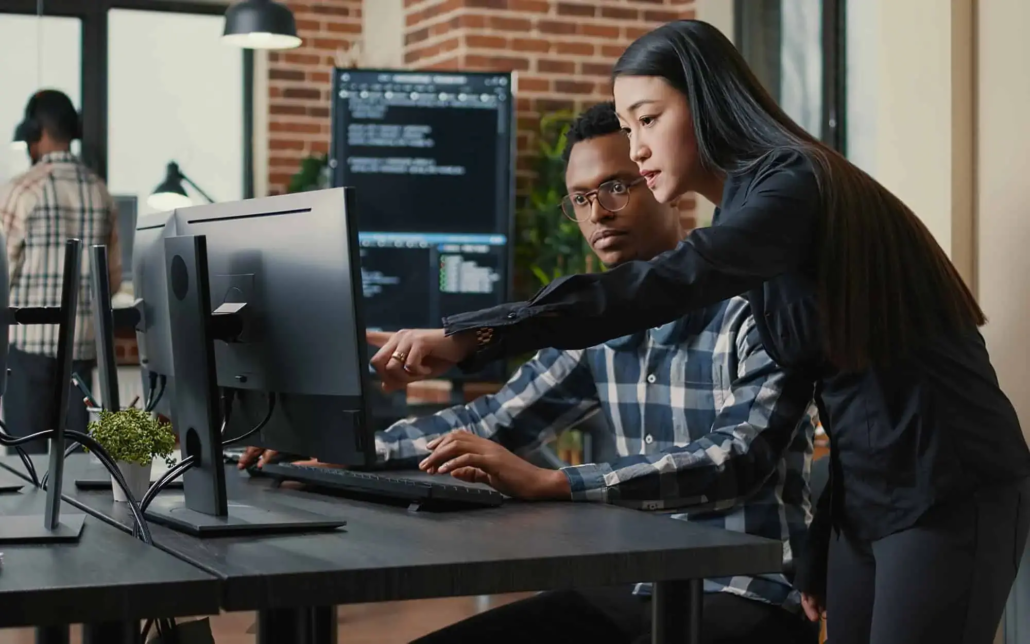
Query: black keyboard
column 429, row 492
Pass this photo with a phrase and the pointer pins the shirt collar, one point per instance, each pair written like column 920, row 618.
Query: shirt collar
column 58, row 157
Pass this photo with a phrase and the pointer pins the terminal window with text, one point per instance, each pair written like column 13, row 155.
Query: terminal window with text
column 430, row 155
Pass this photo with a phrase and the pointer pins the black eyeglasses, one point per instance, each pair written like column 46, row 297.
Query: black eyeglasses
column 611, row 195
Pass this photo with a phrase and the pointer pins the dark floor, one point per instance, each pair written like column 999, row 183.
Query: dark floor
column 389, row 623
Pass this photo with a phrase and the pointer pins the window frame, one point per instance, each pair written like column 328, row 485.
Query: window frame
column 94, row 18
column 750, row 33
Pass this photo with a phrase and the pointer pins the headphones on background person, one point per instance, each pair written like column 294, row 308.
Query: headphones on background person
column 30, row 130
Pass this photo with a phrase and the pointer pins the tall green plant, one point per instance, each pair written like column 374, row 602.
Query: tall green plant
column 312, row 175
column 549, row 245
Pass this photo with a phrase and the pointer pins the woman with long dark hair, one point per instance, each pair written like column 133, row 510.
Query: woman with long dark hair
column 928, row 508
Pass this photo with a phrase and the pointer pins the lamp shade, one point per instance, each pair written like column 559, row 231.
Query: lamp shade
column 260, row 24
column 170, row 194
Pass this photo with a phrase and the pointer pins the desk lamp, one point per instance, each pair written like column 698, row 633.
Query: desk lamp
column 260, row 24
column 170, row 194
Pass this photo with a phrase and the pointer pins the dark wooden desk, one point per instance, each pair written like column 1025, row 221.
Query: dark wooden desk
column 107, row 580
column 386, row 553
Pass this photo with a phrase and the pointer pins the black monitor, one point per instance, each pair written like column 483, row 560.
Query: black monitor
column 51, row 526
column 264, row 326
column 430, row 155
column 103, row 329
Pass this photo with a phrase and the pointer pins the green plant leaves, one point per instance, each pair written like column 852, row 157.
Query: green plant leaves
column 311, row 176
column 134, row 436
column 548, row 244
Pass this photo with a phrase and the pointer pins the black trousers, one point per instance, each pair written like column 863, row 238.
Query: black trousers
column 28, row 401
column 616, row 616
column 945, row 580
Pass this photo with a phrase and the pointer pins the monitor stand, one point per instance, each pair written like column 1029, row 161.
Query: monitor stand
column 51, row 526
column 10, row 482
column 203, row 509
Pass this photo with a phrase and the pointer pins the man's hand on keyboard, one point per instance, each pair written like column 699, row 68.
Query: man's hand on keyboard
column 262, row 456
column 472, row 458
column 314, row 462
column 253, row 455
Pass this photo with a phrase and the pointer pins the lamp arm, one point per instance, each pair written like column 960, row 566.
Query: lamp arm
column 196, row 187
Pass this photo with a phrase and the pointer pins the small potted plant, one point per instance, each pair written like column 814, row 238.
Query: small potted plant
column 133, row 438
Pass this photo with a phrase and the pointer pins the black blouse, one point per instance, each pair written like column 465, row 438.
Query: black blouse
column 927, row 431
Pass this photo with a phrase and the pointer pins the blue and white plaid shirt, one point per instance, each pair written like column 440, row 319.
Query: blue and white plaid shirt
column 704, row 423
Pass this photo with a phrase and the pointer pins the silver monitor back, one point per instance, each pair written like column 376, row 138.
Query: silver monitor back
column 293, row 260
column 5, row 320
column 150, row 284
column 126, row 206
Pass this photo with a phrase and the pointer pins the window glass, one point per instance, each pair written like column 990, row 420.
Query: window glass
column 35, row 53
column 175, row 93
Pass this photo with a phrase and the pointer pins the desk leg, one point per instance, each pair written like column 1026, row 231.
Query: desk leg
column 111, row 633
column 52, row 635
column 321, row 625
column 279, row 625
column 301, row 625
column 676, row 609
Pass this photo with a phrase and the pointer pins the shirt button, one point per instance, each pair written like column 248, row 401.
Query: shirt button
column 652, row 379
column 649, row 439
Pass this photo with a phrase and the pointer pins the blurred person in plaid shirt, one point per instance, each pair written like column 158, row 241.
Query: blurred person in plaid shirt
column 57, row 199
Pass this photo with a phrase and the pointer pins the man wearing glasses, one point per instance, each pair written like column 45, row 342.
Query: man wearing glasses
column 704, row 423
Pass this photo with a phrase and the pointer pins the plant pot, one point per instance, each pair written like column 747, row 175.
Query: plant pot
column 137, row 477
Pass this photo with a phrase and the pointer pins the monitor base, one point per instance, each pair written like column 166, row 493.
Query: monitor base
column 104, row 483
column 11, row 480
column 30, row 529
column 171, row 511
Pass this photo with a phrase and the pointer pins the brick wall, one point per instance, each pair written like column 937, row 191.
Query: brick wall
column 562, row 50
column 300, row 84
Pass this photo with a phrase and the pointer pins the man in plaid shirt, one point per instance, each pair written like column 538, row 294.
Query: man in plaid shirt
column 57, row 199
column 705, row 425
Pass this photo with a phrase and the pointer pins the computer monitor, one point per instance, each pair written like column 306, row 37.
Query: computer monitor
column 103, row 329
column 50, row 526
column 150, row 287
column 262, row 302
column 126, row 206
column 431, row 156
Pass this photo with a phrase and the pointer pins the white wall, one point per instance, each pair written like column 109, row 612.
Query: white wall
column 719, row 13
column 1003, row 195
column 175, row 93
column 261, row 132
column 861, row 82
column 801, row 67
column 34, row 54
column 382, row 39
column 910, row 89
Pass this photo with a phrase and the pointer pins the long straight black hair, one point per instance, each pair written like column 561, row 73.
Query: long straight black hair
column 884, row 283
